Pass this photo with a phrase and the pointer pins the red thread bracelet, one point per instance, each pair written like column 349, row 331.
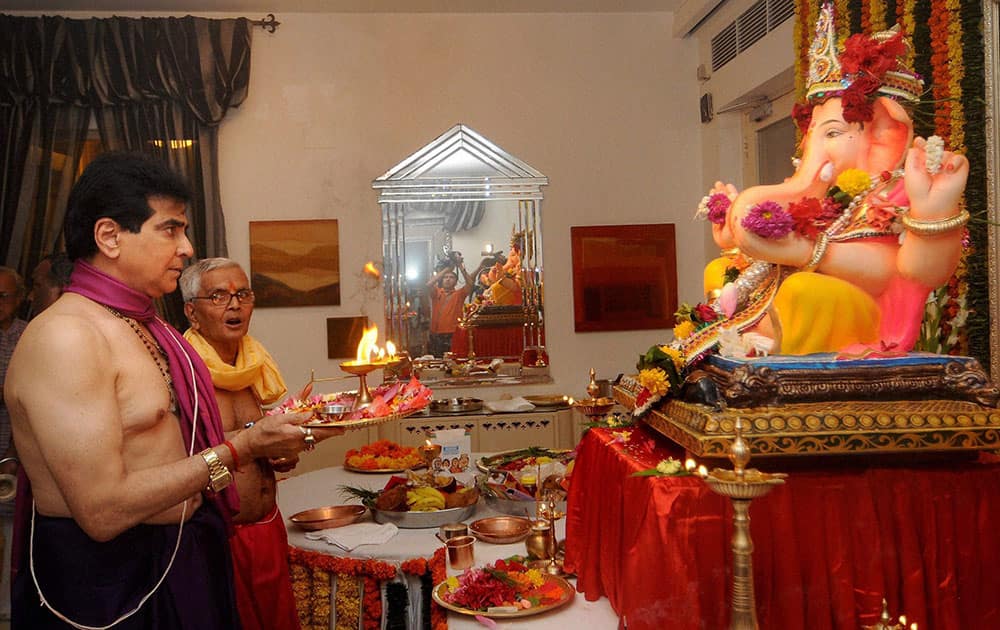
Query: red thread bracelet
column 236, row 458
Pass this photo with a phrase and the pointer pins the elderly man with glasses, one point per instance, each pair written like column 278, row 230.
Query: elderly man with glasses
column 218, row 303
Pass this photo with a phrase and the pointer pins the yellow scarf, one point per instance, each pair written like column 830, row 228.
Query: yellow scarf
column 254, row 368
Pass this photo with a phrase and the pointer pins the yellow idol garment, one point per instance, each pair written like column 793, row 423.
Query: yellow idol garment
column 821, row 313
column 254, row 368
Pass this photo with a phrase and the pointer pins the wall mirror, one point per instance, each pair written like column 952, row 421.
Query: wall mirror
column 463, row 207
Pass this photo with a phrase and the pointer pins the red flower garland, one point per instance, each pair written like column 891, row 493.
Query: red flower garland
column 377, row 569
column 416, row 566
column 371, row 607
column 439, row 617
column 938, row 23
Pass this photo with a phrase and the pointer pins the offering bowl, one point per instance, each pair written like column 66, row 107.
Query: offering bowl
column 501, row 530
column 328, row 517
column 333, row 412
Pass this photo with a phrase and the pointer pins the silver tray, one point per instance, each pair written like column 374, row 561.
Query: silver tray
column 424, row 520
column 456, row 405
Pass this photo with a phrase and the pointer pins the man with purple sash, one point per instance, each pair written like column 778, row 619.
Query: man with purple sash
column 117, row 427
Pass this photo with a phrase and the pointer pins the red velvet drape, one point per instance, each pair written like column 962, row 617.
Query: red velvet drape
column 829, row 544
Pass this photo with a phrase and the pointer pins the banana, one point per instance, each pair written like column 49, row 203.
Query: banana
column 424, row 499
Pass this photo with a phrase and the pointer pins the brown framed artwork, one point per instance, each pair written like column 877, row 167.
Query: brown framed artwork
column 624, row 276
column 295, row 263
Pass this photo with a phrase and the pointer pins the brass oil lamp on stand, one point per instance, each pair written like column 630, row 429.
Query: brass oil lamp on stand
column 885, row 621
column 369, row 358
column 594, row 407
column 742, row 485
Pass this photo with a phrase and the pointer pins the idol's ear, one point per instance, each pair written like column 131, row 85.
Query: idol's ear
column 891, row 133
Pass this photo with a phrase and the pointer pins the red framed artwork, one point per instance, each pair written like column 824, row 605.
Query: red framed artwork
column 624, row 277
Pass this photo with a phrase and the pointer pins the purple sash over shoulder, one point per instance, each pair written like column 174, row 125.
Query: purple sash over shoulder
column 103, row 289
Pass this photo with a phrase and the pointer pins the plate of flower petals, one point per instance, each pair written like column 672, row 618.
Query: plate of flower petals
column 505, row 589
column 392, row 401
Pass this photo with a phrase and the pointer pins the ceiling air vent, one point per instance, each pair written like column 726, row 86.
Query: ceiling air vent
column 750, row 27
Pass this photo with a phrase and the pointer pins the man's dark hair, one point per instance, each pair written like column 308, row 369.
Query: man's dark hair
column 60, row 269
column 117, row 185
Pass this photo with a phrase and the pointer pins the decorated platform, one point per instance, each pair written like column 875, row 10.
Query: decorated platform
column 835, row 427
column 825, row 377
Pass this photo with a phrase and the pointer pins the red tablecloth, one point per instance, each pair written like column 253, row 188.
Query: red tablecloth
column 502, row 341
column 829, row 544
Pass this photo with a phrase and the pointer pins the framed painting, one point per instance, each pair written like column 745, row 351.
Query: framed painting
column 624, row 277
column 295, row 263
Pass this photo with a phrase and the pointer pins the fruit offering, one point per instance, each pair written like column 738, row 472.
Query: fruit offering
column 383, row 455
column 416, row 492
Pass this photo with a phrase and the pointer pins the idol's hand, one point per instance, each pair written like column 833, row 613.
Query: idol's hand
column 934, row 195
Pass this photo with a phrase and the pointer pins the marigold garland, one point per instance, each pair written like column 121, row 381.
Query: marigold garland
column 348, row 603
column 319, row 600
column 342, row 566
column 371, row 605
column 301, row 579
column 416, row 566
column 876, row 11
column 439, row 616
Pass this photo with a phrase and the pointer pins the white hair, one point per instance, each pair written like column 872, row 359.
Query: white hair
column 190, row 281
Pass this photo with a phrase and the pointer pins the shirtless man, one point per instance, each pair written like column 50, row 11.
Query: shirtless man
column 117, row 426
column 218, row 303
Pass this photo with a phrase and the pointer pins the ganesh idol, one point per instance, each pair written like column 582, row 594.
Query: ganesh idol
column 841, row 256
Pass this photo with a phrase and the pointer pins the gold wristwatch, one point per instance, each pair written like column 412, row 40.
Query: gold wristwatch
column 218, row 475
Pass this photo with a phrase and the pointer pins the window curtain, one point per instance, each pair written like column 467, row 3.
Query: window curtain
column 156, row 85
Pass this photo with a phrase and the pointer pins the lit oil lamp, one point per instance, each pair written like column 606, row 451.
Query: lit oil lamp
column 369, row 358
column 429, row 451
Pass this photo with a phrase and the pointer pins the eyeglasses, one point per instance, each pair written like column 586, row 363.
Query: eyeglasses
column 223, row 298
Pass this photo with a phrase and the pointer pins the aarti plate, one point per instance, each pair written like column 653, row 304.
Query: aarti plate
column 566, row 596
column 359, row 423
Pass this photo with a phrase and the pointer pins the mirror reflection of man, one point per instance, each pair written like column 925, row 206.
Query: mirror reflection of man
column 447, row 300
column 218, row 303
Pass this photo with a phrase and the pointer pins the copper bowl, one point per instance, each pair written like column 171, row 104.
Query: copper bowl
column 501, row 530
column 328, row 517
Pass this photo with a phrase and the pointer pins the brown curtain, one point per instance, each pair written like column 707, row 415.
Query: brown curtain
column 157, row 85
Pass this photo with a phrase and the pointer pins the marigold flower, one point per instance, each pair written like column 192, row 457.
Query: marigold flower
column 675, row 355
column 655, row 380
column 684, row 329
column 854, row 181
